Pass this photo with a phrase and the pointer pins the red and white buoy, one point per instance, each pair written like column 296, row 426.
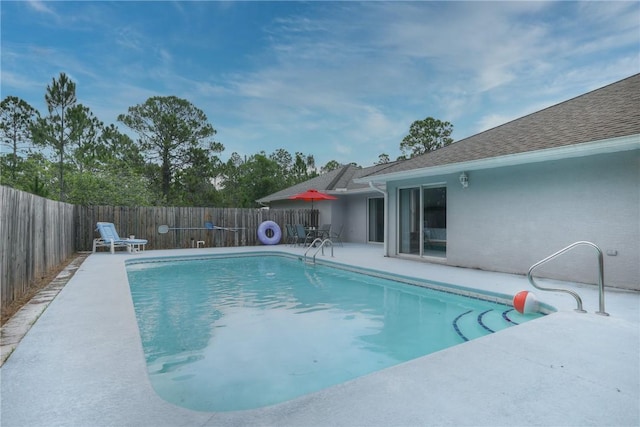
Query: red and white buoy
column 525, row 302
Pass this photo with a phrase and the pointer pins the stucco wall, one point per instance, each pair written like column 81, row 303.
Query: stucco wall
column 348, row 211
column 355, row 224
column 323, row 207
column 509, row 218
column 334, row 212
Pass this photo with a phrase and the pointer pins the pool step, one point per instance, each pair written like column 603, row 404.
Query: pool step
column 474, row 324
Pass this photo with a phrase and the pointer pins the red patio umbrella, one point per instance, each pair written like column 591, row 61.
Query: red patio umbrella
column 311, row 195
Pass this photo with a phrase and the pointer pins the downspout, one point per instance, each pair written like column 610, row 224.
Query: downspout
column 386, row 217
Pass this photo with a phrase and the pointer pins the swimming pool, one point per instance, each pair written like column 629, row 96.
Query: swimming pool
column 225, row 333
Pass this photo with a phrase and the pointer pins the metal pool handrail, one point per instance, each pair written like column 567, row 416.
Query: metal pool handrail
column 322, row 244
column 574, row 294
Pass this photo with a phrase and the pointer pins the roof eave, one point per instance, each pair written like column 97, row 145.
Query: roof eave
column 624, row 143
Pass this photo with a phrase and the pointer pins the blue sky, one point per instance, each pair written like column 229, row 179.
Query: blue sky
column 340, row 80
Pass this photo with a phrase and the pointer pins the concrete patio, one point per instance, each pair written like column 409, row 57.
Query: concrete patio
column 82, row 363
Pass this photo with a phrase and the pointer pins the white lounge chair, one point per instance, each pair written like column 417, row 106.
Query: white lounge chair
column 109, row 238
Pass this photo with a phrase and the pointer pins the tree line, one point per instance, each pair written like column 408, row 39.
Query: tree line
column 68, row 154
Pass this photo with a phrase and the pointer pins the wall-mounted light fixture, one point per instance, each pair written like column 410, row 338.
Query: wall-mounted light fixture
column 464, row 179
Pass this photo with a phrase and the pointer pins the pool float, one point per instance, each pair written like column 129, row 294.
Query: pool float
column 525, row 302
column 263, row 234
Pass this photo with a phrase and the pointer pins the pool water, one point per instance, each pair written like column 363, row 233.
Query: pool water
column 234, row 333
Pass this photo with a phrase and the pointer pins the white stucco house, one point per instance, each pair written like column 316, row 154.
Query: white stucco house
column 505, row 198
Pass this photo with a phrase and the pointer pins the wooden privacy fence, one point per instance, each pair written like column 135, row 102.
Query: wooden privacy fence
column 186, row 225
column 38, row 235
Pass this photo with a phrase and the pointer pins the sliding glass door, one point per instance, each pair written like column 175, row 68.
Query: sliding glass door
column 422, row 224
column 376, row 220
column 434, row 219
column 409, row 221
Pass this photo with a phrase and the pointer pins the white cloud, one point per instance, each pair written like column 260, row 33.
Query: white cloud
column 129, row 38
column 41, row 7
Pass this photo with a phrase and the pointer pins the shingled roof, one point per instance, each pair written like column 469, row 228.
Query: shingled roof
column 609, row 112
column 335, row 182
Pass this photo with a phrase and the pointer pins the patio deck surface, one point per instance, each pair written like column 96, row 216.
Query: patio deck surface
column 82, row 363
